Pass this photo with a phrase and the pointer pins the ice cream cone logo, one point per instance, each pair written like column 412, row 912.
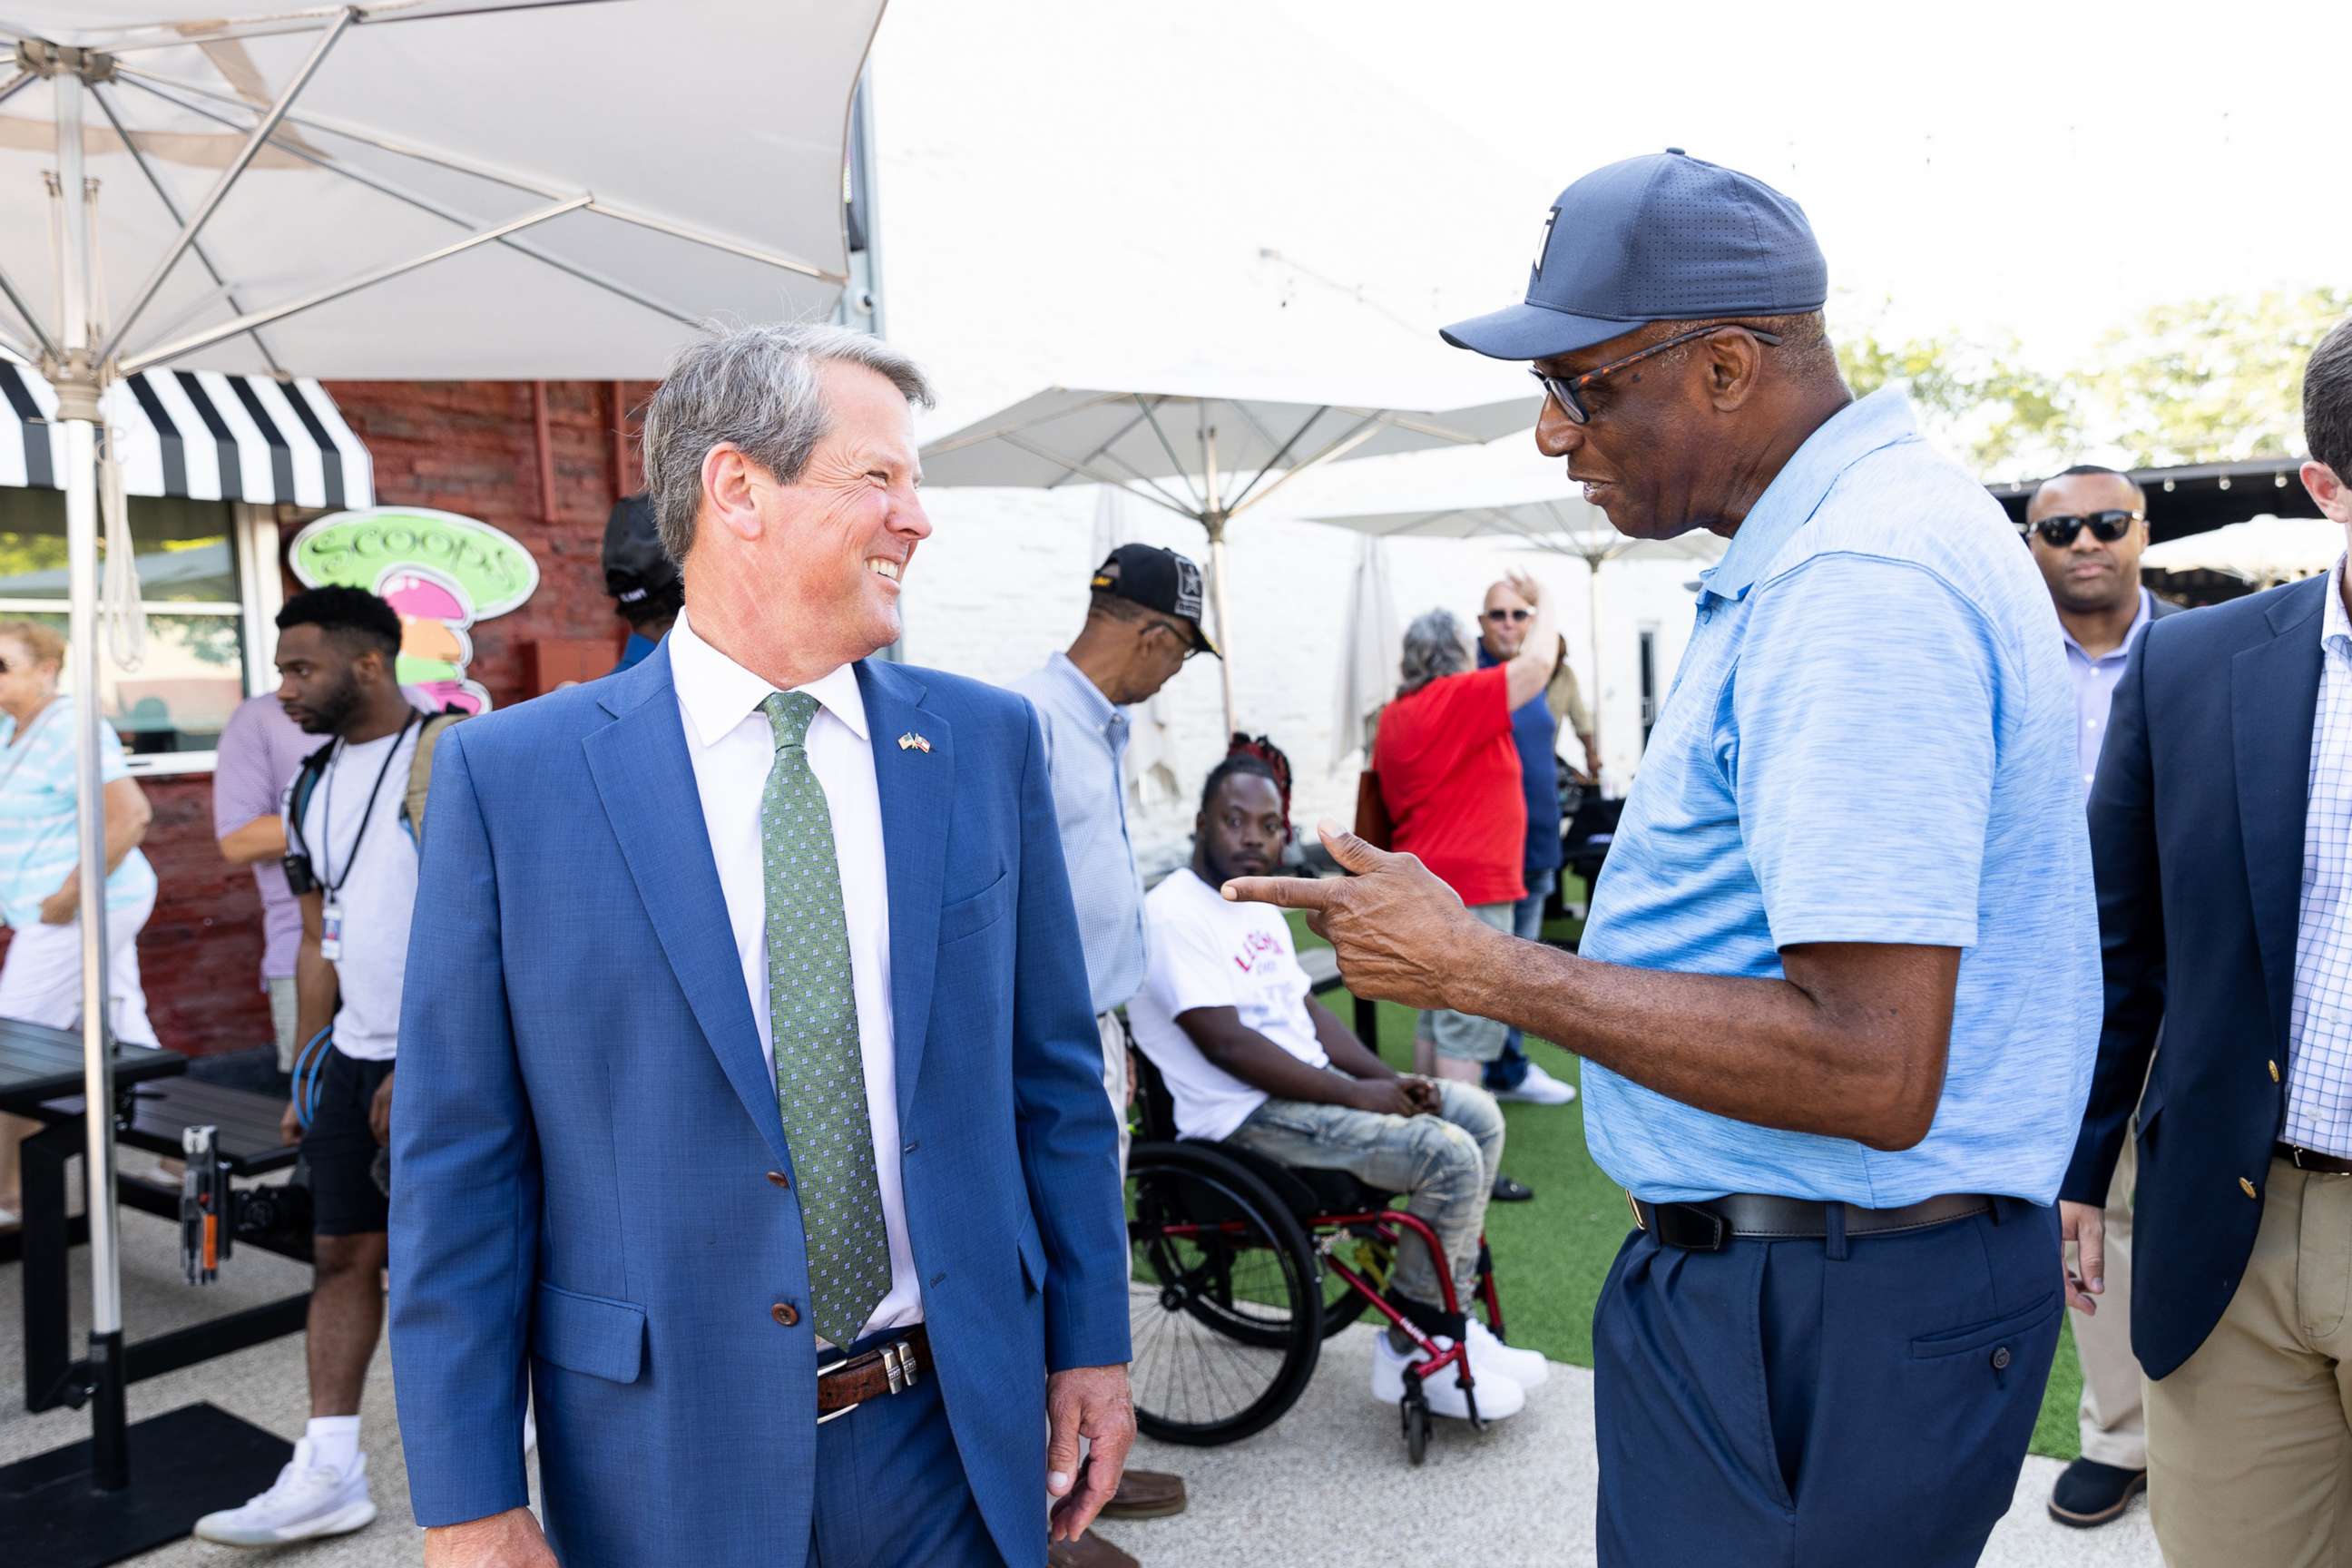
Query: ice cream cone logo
column 439, row 572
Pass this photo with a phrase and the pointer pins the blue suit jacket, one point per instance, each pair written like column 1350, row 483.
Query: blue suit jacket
column 2196, row 841
column 585, row 1128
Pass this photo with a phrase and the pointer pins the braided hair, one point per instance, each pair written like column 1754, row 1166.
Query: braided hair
column 1251, row 754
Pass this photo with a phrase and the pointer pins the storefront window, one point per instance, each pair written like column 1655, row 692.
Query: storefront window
column 194, row 672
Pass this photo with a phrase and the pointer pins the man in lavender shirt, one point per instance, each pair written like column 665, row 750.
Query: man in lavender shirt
column 260, row 749
column 2086, row 529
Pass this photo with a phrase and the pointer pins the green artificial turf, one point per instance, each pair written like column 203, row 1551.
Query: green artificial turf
column 1552, row 1254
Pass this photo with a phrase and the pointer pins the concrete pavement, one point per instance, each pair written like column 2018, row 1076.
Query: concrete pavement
column 1326, row 1485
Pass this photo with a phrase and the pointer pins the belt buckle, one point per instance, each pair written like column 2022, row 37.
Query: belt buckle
column 899, row 1366
column 836, row 1414
column 1630, row 1203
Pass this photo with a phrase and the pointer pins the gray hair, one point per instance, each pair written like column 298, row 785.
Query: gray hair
column 758, row 390
column 1434, row 647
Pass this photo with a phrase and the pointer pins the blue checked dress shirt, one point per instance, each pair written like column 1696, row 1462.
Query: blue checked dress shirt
column 1086, row 750
column 2319, row 1034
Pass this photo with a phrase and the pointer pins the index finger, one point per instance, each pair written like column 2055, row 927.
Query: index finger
column 1287, row 892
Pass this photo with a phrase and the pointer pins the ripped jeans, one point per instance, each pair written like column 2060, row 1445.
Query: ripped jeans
column 1446, row 1162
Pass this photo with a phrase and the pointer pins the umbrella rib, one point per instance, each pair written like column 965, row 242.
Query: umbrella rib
column 1157, row 497
column 17, row 301
column 1166, row 446
column 140, row 37
column 17, row 84
column 107, row 108
column 1192, row 512
column 505, row 176
column 377, row 183
column 1368, row 427
column 1280, row 452
column 221, row 188
column 211, row 335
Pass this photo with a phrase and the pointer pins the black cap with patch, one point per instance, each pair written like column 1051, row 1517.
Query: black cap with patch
column 1158, row 580
column 635, row 564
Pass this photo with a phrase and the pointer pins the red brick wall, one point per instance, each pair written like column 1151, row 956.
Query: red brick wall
column 470, row 448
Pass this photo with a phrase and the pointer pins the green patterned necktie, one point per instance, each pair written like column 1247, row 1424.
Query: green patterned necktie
column 812, row 1009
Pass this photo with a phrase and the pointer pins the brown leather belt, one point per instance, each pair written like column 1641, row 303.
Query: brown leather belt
column 1711, row 1225
column 897, row 1364
column 2304, row 1159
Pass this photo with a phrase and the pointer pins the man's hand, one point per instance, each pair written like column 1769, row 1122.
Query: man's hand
column 380, row 1111
column 289, row 1124
column 59, row 908
column 1427, row 1098
column 2085, row 1225
column 1383, row 1097
column 508, row 1539
column 1089, row 1402
column 1398, row 930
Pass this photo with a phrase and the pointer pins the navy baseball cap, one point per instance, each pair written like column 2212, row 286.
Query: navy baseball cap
column 1666, row 237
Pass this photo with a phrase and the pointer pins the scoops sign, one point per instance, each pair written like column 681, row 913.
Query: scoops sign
column 439, row 572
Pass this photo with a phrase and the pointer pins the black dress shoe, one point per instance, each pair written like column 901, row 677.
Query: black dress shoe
column 2089, row 1493
column 1508, row 1191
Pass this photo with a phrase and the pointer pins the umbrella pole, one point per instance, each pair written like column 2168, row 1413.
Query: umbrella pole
column 1592, row 629
column 1216, row 527
column 78, row 387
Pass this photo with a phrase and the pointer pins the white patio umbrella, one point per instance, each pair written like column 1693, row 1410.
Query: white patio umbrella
column 1565, row 525
column 1369, row 650
column 1222, row 454
column 427, row 189
column 2264, row 550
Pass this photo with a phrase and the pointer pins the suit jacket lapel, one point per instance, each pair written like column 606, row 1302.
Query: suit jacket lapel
column 2273, row 696
column 918, row 790
column 646, row 783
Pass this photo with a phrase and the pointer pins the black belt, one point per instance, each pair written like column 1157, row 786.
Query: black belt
column 2304, row 1159
column 1708, row 1226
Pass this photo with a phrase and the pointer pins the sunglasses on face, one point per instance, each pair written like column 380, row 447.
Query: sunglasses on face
column 1514, row 616
column 2106, row 527
column 1564, row 389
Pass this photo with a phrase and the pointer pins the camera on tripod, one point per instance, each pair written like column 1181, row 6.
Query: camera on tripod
column 214, row 1213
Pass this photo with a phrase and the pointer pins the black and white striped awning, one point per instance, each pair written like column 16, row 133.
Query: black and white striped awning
column 197, row 434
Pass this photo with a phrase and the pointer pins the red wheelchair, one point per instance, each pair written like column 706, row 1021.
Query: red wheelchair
column 1243, row 1268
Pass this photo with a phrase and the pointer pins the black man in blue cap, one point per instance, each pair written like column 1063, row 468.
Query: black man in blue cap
column 1840, row 990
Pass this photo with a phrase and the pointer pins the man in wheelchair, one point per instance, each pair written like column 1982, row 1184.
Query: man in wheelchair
column 1251, row 1059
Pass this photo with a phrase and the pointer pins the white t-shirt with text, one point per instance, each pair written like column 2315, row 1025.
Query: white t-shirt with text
column 1206, row 953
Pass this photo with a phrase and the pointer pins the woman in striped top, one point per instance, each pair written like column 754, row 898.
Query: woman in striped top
column 40, row 895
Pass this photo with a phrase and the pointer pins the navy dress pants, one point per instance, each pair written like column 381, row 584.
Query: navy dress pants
column 1815, row 1404
column 890, row 1490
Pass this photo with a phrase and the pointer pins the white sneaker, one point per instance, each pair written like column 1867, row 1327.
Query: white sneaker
column 1526, row 1368
column 1499, row 1396
column 308, row 1501
column 1539, row 1087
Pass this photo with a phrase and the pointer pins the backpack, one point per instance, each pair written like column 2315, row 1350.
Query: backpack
column 420, row 775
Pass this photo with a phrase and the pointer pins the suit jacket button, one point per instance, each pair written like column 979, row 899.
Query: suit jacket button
column 2275, row 1073
column 2249, row 1187
column 778, row 1179
column 784, row 1313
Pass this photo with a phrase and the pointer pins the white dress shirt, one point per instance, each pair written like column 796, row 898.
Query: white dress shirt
column 733, row 746
column 2319, row 1035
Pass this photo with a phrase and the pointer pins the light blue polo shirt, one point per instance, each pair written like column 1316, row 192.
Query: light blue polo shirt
column 1871, row 738
column 39, row 847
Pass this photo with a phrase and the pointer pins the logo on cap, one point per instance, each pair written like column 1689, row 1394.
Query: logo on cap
column 1543, row 240
column 1187, row 590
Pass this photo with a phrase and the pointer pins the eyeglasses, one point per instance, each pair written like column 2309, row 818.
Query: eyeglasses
column 2106, row 527
column 1181, row 637
column 1563, row 390
column 1512, row 615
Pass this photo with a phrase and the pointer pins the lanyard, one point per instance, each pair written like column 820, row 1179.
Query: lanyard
column 330, row 885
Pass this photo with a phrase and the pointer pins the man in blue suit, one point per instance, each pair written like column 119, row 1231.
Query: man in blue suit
column 755, row 1112
column 2221, row 840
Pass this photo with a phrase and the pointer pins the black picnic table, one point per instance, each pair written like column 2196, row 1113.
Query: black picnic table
column 39, row 1063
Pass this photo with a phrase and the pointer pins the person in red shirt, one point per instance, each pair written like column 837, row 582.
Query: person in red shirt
column 1449, row 775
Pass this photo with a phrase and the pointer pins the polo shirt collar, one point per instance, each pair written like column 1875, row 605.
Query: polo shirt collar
column 716, row 693
column 1851, row 433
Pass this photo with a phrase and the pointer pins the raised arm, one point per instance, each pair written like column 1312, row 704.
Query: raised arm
column 1530, row 672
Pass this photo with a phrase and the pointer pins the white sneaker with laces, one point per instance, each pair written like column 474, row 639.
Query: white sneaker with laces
column 1539, row 1087
column 1499, row 1396
column 1526, row 1368
column 307, row 1501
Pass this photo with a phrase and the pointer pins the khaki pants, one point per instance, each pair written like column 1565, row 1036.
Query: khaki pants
column 2250, row 1440
column 2114, row 1429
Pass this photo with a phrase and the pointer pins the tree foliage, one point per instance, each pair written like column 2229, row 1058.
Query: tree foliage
column 2201, row 381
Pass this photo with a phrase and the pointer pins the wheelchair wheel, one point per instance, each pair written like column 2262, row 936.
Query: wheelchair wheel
column 1223, row 1305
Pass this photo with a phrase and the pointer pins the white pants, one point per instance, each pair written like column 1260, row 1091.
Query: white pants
column 41, row 981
